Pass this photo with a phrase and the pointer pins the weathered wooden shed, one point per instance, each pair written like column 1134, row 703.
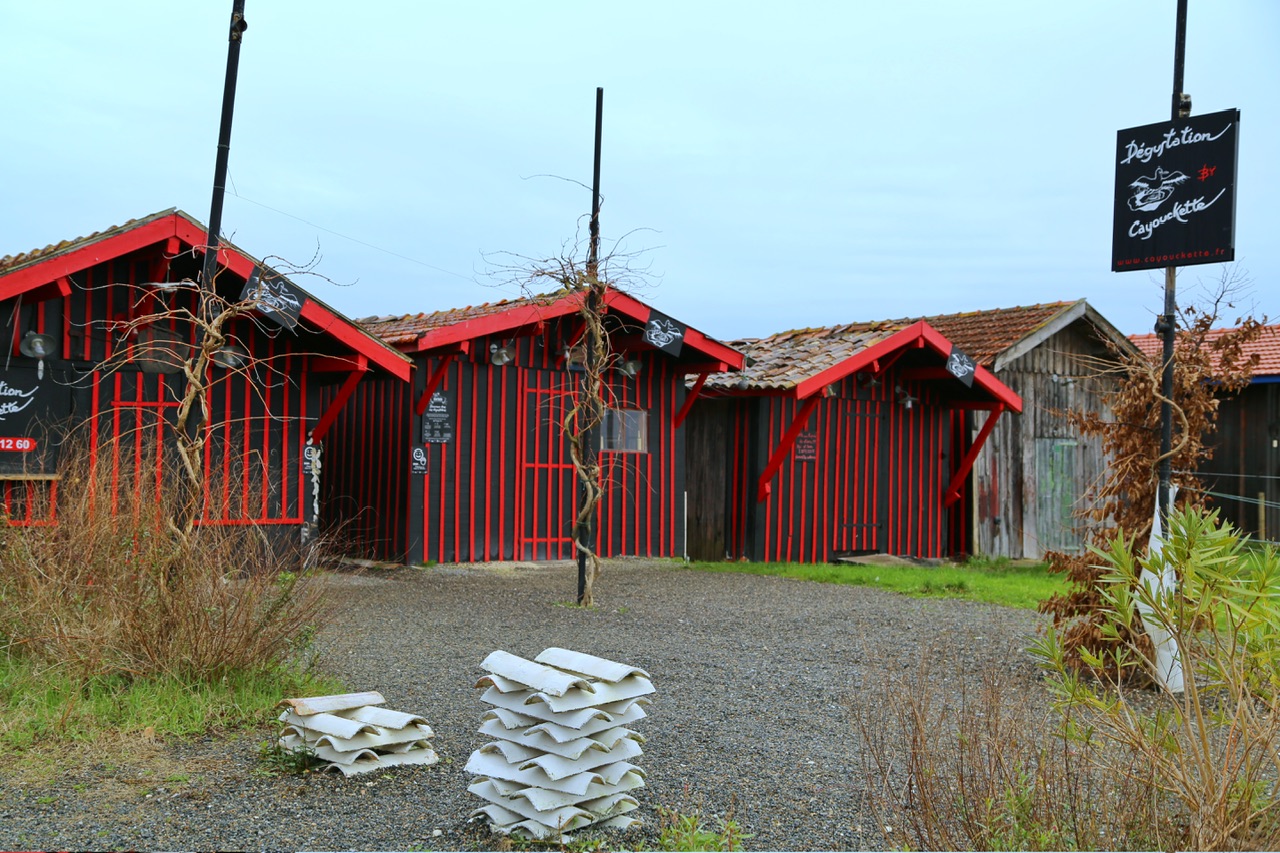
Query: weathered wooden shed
column 1243, row 476
column 1035, row 472
column 845, row 440
column 85, row 368
column 472, row 463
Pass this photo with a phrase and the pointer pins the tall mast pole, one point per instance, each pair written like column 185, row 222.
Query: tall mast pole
column 594, row 289
column 1168, row 322
column 238, row 26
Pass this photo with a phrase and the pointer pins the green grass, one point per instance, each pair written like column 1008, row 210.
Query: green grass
column 44, row 707
column 992, row 581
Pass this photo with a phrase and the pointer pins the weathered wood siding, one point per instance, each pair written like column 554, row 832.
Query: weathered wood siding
column 1036, row 472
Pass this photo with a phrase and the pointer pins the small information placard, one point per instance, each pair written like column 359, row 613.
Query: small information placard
column 437, row 420
column 418, row 461
column 807, row 447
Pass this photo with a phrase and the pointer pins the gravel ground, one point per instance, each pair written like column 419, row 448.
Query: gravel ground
column 758, row 680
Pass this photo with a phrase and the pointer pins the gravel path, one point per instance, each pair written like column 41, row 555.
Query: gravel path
column 758, row 683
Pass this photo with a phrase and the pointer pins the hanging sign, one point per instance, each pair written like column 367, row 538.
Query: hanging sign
column 1175, row 195
column 437, row 420
column 806, row 447
column 961, row 366
column 276, row 297
column 664, row 333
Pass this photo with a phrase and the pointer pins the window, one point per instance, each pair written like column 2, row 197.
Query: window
column 625, row 431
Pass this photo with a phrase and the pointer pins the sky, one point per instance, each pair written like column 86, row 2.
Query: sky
column 765, row 166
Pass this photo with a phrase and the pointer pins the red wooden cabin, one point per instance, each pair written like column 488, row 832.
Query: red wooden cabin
column 79, row 364
column 839, row 441
column 472, row 464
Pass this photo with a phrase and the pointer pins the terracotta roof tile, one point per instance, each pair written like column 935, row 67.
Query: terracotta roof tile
column 1267, row 348
column 983, row 335
column 783, row 360
column 786, row 359
column 407, row 328
column 9, row 263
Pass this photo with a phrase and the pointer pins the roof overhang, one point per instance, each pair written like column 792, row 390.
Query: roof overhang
column 1078, row 310
column 918, row 335
column 709, row 354
column 46, row 270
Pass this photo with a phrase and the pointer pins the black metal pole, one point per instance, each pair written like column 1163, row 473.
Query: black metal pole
column 1168, row 323
column 593, row 342
column 238, row 26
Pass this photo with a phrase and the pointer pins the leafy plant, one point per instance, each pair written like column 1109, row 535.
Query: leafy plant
column 1214, row 749
column 688, row 831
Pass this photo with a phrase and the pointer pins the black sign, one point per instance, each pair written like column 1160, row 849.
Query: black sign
column 437, row 420
column 664, row 333
column 275, row 296
column 33, row 409
column 961, row 366
column 806, row 447
column 1175, row 200
column 418, row 461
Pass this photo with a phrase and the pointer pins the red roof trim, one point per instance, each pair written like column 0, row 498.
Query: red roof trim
column 178, row 225
column 57, row 266
column 920, row 332
column 524, row 315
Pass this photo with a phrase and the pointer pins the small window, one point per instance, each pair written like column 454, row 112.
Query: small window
column 625, row 431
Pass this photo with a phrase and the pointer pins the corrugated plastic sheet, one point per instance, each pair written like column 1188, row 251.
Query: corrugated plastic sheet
column 354, row 737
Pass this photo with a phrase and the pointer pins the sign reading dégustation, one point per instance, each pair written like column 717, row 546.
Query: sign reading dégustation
column 437, row 420
column 1175, row 194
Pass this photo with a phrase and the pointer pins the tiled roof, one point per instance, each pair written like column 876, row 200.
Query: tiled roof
column 407, row 328
column 9, row 263
column 983, row 335
column 784, row 360
column 1266, row 347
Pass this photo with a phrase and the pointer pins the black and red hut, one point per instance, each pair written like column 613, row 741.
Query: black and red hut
column 846, row 440
column 97, row 329
column 472, row 463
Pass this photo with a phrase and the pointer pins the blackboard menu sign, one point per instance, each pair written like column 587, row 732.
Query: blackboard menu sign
column 807, row 447
column 30, row 407
column 437, row 420
column 1175, row 198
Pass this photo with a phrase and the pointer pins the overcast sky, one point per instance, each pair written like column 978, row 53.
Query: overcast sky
column 766, row 166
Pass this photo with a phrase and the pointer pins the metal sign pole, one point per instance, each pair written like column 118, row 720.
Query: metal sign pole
column 1168, row 323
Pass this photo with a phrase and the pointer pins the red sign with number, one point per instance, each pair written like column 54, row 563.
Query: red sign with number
column 17, row 445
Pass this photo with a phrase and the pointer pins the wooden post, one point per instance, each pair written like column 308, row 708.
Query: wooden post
column 1262, row 516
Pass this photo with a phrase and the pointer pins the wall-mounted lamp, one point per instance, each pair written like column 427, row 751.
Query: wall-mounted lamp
column 908, row 402
column 500, row 355
column 38, row 346
column 630, row 367
column 868, row 378
column 230, row 356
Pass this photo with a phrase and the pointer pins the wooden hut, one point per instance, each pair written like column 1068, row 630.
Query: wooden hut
column 472, row 463
column 846, row 440
column 1035, row 472
column 1243, row 475
column 98, row 332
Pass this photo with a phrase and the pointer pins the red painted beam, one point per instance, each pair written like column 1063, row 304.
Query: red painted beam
column 784, row 447
column 688, row 401
column 952, row 494
column 433, row 382
column 321, row 428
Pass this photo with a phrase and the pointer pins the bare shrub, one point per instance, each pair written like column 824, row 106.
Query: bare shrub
column 992, row 771
column 110, row 589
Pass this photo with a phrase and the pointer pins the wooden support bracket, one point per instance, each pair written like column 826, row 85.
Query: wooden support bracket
column 784, row 446
column 952, row 494
column 433, row 382
column 321, row 428
column 688, row 400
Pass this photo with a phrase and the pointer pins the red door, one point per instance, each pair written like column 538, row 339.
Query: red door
column 546, row 484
